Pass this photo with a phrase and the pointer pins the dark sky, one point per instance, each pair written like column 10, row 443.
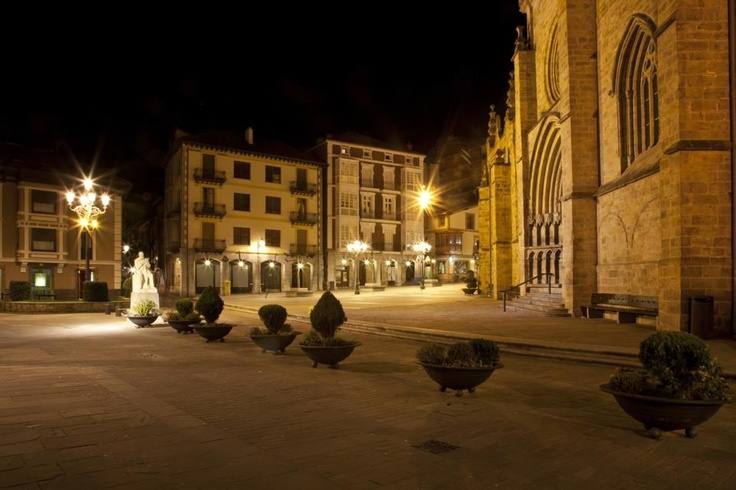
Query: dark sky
column 399, row 79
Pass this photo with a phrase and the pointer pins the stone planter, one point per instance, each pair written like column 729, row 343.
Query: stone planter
column 665, row 414
column 274, row 343
column 469, row 291
column 213, row 331
column 459, row 378
column 330, row 355
column 142, row 321
column 182, row 326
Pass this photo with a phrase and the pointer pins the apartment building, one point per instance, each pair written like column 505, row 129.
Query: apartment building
column 454, row 239
column 371, row 195
column 41, row 241
column 241, row 216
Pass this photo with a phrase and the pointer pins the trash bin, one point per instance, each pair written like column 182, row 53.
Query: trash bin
column 701, row 316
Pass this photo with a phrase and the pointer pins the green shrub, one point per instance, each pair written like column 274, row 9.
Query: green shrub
column 20, row 290
column 316, row 339
column 486, row 352
column 126, row 288
column 472, row 283
column 285, row 329
column 432, row 354
column 172, row 316
column 94, row 291
column 184, row 306
column 327, row 315
column 273, row 317
column 676, row 365
column 192, row 317
column 210, row 305
column 460, row 355
column 145, row 308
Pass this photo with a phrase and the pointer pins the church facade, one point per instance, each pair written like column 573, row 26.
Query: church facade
column 611, row 170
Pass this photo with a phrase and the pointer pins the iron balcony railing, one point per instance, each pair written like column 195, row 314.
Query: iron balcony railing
column 303, row 250
column 209, row 209
column 303, row 188
column 209, row 245
column 209, row 176
column 303, row 218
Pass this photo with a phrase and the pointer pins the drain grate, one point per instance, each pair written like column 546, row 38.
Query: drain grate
column 436, row 447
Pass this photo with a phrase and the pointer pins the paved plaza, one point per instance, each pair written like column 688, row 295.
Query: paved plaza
column 87, row 401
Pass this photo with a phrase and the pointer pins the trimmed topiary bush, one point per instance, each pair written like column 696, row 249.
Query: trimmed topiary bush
column 476, row 353
column 126, row 288
column 94, row 291
column 676, row 365
column 184, row 306
column 210, row 305
column 327, row 315
column 273, row 317
column 20, row 290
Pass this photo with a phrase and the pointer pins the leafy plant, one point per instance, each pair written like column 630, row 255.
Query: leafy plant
column 285, row 329
column 94, row 291
column 172, row 316
column 486, row 352
column 144, row 308
column 314, row 338
column 210, row 305
column 476, row 353
column 327, row 315
column 461, row 355
column 20, row 290
column 273, row 317
column 432, row 354
column 676, row 365
column 184, row 306
column 192, row 317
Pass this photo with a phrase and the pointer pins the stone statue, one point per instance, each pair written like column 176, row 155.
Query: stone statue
column 142, row 275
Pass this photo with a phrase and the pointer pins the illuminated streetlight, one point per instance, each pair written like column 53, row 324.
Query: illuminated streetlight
column 126, row 248
column 422, row 249
column 87, row 208
column 207, row 262
column 357, row 248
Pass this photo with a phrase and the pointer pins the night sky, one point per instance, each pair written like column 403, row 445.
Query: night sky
column 402, row 80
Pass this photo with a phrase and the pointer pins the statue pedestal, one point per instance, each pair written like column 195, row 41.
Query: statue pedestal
column 143, row 295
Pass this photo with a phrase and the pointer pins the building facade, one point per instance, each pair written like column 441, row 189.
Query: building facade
column 371, row 195
column 41, row 241
column 455, row 244
column 241, row 217
column 612, row 170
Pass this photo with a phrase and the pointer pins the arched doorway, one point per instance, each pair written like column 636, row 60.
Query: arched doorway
column 207, row 274
column 301, row 276
column 410, row 272
column 271, row 276
column 241, row 277
column 362, row 272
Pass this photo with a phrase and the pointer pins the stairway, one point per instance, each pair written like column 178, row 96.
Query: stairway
column 539, row 300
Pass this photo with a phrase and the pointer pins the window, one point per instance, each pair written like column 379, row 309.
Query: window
column 635, row 82
column 469, row 221
column 84, row 247
column 273, row 238
column 366, row 175
column 366, row 205
column 44, row 239
column 388, row 157
column 388, row 207
column 241, row 170
column 349, row 172
column 348, row 204
column 241, row 202
column 208, row 165
column 43, row 202
column 208, row 232
column 273, row 174
column 273, row 205
column 413, row 181
column 241, row 236
column 347, row 235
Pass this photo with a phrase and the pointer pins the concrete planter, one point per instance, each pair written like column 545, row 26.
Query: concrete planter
column 182, row 326
column 213, row 331
column 330, row 355
column 142, row 321
column 459, row 378
column 665, row 414
column 274, row 343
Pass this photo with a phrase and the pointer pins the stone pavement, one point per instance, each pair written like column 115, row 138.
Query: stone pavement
column 446, row 309
column 87, row 401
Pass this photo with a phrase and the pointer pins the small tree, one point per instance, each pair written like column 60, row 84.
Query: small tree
column 184, row 306
column 210, row 305
column 327, row 315
column 273, row 317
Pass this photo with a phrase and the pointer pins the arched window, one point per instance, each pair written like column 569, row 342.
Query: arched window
column 635, row 86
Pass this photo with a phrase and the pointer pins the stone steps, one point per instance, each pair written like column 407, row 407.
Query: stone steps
column 539, row 302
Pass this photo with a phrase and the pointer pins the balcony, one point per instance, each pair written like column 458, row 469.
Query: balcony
column 208, row 210
column 300, row 249
column 206, row 176
column 303, row 188
column 207, row 245
column 309, row 219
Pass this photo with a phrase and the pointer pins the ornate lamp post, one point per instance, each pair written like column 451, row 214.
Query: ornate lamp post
column 357, row 248
column 88, row 207
column 422, row 250
column 259, row 243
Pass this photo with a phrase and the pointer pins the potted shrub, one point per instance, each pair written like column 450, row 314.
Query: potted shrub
column 320, row 344
column 184, row 317
column 143, row 314
column 277, row 335
column 460, row 366
column 680, row 386
column 210, row 305
column 471, row 286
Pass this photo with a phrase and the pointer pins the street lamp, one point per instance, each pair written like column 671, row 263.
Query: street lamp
column 357, row 248
column 88, row 207
column 422, row 250
column 259, row 243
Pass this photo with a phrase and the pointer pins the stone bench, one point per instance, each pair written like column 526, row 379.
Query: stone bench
column 625, row 307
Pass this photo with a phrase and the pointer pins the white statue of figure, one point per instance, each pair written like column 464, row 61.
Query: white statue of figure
column 142, row 275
